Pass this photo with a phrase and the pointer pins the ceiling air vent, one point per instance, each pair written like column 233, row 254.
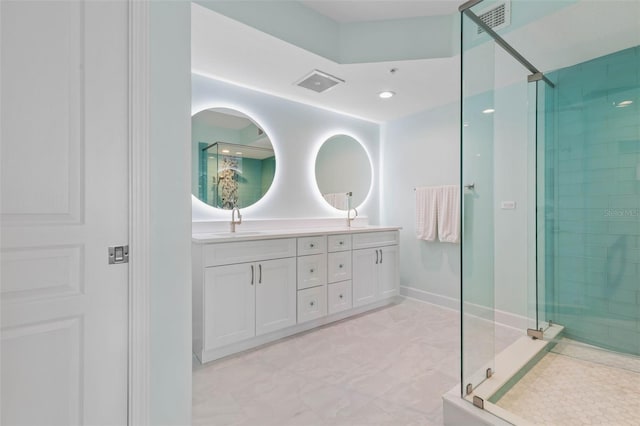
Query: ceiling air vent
column 319, row 81
column 499, row 16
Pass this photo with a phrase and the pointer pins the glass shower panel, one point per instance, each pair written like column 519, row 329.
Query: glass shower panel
column 477, row 293
column 498, row 199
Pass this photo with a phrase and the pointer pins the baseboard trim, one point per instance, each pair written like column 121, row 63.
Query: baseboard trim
column 432, row 298
column 503, row 318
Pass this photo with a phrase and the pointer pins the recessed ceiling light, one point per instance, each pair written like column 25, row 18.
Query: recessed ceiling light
column 238, row 153
column 225, row 151
column 489, row 111
column 624, row 104
column 386, row 94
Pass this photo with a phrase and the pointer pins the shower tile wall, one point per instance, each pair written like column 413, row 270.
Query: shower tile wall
column 592, row 196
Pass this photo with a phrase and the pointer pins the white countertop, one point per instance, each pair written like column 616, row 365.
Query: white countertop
column 248, row 235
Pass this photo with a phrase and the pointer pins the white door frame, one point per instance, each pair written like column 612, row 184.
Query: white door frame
column 139, row 183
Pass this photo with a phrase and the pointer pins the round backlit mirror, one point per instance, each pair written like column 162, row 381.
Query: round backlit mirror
column 343, row 172
column 233, row 161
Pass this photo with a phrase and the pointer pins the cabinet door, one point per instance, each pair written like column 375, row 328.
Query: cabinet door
column 388, row 272
column 365, row 276
column 275, row 295
column 229, row 304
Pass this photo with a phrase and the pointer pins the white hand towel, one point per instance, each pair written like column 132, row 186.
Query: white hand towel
column 449, row 213
column 426, row 213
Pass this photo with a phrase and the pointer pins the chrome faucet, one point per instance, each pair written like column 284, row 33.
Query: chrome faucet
column 349, row 218
column 233, row 218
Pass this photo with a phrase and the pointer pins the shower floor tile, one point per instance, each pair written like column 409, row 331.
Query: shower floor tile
column 563, row 390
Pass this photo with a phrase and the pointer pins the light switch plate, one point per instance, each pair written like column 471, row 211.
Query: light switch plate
column 508, row 205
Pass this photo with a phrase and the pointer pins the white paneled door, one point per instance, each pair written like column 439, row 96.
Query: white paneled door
column 64, row 180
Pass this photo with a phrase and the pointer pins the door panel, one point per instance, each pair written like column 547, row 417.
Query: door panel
column 388, row 272
column 365, row 277
column 229, row 300
column 64, row 180
column 275, row 295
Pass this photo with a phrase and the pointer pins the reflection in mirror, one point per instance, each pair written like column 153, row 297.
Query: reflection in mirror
column 343, row 166
column 233, row 162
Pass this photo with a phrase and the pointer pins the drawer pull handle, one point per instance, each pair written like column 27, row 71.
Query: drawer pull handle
column 312, row 303
column 341, row 266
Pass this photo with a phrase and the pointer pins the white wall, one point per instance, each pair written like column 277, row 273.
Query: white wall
column 170, row 71
column 422, row 150
column 296, row 131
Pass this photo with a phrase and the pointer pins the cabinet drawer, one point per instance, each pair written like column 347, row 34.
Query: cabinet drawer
column 339, row 296
column 312, row 245
column 338, row 242
column 312, row 271
column 339, row 266
column 375, row 239
column 248, row 251
column 312, row 303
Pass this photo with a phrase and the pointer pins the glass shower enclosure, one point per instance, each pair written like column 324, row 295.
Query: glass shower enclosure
column 550, row 166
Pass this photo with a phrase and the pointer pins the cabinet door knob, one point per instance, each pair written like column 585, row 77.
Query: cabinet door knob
column 312, row 245
column 380, row 255
column 312, row 303
column 252, row 274
column 377, row 257
column 260, row 269
column 340, row 266
column 311, row 270
column 341, row 296
column 341, row 243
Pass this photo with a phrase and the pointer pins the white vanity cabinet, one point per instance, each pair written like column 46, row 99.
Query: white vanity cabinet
column 250, row 291
column 240, row 292
column 375, row 267
column 248, row 299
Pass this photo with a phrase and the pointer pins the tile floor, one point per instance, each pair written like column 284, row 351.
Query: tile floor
column 386, row 367
column 578, row 385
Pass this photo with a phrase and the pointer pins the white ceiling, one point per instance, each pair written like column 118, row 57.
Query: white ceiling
column 234, row 52
column 228, row 50
column 367, row 10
